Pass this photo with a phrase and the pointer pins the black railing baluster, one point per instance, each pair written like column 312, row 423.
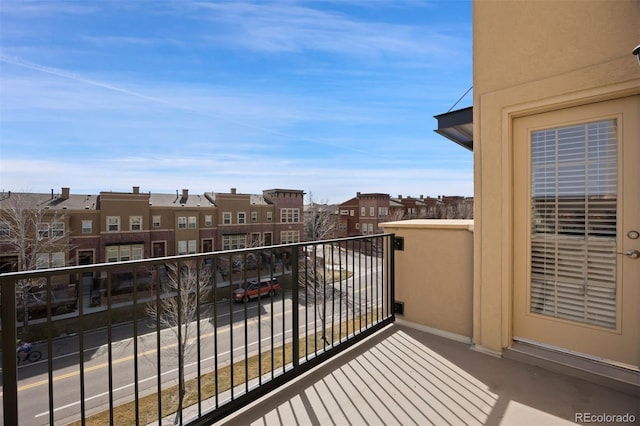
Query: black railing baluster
column 181, row 352
column 231, row 363
column 214, row 268
column 258, row 265
column 297, row 286
column 109, row 346
column 136, row 386
column 199, row 270
column 50, row 350
column 271, row 325
column 159, row 268
column 80, row 302
column 295, row 314
column 246, row 323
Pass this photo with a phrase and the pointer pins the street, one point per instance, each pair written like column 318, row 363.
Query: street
column 272, row 322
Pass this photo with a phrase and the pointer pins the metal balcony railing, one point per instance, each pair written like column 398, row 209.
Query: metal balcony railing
column 187, row 339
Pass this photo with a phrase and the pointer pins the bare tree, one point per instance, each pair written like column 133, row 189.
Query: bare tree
column 36, row 238
column 188, row 285
column 319, row 220
column 455, row 208
column 316, row 283
column 397, row 214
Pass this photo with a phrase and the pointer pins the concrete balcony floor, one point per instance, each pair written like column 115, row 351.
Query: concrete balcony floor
column 402, row 376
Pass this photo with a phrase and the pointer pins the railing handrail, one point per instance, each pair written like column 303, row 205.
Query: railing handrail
column 36, row 273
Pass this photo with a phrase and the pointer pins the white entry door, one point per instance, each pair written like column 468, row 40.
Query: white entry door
column 577, row 230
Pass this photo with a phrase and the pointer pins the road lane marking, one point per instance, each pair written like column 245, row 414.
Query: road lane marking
column 140, row 354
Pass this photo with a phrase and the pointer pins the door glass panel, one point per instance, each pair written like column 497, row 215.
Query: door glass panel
column 573, row 229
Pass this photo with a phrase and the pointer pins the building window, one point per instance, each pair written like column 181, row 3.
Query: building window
column 208, row 220
column 57, row 229
column 344, row 212
column 232, row 242
column 57, row 259
column 43, row 230
column 207, row 245
column 187, row 247
column 254, row 216
column 255, row 239
column 574, row 199
column 137, row 252
column 352, row 212
column 289, row 215
column 357, row 225
column 87, row 226
column 342, row 226
column 5, row 230
column 226, row 218
column 156, row 221
column 42, row 260
column 383, row 211
column 124, row 252
column 269, row 216
column 182, row 247
column 363, row 211
column 135, row 223
column 113, row 223
column 112, row 254
column 287, row 237
column 242, row 217
column 192, row 222
column 182, row 222
column 372, row 211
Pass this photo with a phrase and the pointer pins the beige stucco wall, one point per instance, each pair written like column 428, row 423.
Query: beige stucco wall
column 531, row 57
column 434, row 273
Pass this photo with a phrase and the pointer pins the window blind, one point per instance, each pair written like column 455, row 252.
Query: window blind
column 573, row 230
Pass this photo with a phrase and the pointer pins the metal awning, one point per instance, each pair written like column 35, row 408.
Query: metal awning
column 457, row 126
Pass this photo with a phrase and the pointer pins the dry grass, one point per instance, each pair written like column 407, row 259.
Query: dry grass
column 148, row 406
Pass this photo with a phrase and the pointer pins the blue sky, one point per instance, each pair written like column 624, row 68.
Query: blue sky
column 332, row 97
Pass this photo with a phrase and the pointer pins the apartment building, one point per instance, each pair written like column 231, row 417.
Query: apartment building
column 362, row 214
column 120, row 226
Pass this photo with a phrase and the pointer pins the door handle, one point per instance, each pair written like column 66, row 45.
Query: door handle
column 632, row 253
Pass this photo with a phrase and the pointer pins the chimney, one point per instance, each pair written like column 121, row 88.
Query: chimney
column 358, row 194
column 185, row 193
column 136, row 189
column 421, row 196
column 51, row 193
column 400, row 196
column 65, row 193
column 233, row 190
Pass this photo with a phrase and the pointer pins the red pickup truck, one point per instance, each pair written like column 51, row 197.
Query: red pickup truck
column 256, row 289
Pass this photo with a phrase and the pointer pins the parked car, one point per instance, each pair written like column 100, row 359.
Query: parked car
column 63, row 299
column 254, row 289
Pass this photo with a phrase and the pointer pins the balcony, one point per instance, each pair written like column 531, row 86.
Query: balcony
column 406, row 376
column 381, row 335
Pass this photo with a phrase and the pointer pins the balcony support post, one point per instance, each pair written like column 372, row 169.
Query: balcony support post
column 9, row 361
column 295, row 310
